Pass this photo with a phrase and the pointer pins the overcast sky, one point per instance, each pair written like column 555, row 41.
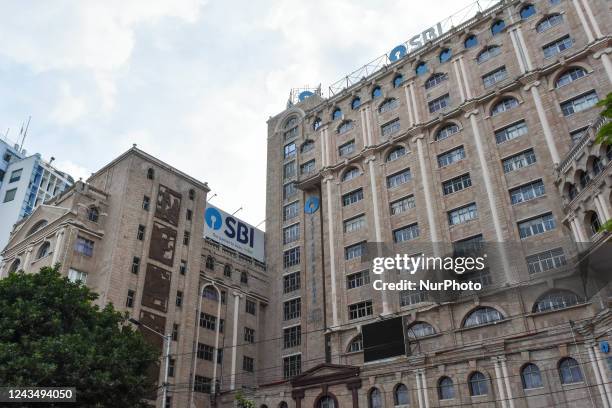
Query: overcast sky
column 191, row 82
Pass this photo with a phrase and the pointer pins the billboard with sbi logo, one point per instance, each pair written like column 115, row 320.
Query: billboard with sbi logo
column 233, row 233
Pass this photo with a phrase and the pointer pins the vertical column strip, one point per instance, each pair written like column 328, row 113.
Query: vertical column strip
column 459, row 82
column 332, row 250
column 583, row 21
column 500, row 384
column 466, row 79
column 594, row 22
column 550, row 141
column 234, row 340
column 433, row 227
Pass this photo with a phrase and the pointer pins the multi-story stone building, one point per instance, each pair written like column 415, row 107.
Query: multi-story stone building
column 134, row 233
column 484, row 136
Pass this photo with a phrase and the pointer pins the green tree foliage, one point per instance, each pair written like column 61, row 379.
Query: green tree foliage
column 604, row 135
column 52, row 335
column 242, row 401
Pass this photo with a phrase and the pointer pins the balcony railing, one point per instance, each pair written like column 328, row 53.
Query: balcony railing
column 589, row 135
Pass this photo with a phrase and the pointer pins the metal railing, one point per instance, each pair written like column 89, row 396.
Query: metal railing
column 590, row 134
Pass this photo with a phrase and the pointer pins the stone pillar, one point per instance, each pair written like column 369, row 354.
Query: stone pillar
column 604, row 207
column 466, row 79
column 504, row 368
column 368, row 113
column 548, row 134
column 353, row 387
column 598, row 376
column 217, row 330
column 591, row 16
column 364, row 127
column 26, row 262
column 58, row 246
column 323, row 138
column 600, row 363
column 500, row 383
column 429, row 200
column 605, row 61
column 455, row 64
column 297, row 396
column 518, row 51
column 583, row 21
column 418, row 390
column 524, row 48
column 332, row 249
column 409, row 105
column 237, row 297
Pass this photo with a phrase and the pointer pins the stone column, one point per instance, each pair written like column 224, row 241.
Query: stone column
column 368, row 113
column 598, row 378
column 604, row 206
column 58, row 246
column 409, row 105
column 500, row 383
column 217, row 330
column 455, row 64
column 517, row 50
column 26, row 262
column 548, row 134
column 237, row 297
column 353, row 387
column 424, row 384
column 504, row 368
column 583, row 21
column 419, row 394
column 591, row 16
column 332, row 249
column 364, row 127
column 297, row 396
column 599, row 356
column 466, row 79
column 429, row 200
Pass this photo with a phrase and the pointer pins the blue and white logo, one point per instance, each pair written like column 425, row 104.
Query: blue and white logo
column 311, row 205
column 604, row 346
column 213, row 218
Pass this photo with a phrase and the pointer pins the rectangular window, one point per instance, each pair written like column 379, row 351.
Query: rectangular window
column 135, row 265
column 292, row 366
column 352, row 197
column 389, row 105
column 291, row 210
column 291, row 282
column 537, row 225
column 463, row 214
column 399, row 178
column 411, row 297
column 249, row 335
column 557, row 46
column 407, row 233
column 291, row 257
column 452, row 156
column 292, row 309
column 291, row 233
column 188, row 214
column 141, row 232
column 208, row 321
column 355, row 280
column 250, row 307
column 146, row 203
column 183, row 267
column 201, row 384
column 15, row 175
column 354, row 224
column 289, row 190
column 518, row 161
column 289, row 170
column 84, row 246
column 494, row 77
column 361, row 309
column 307, row 168
column 186, row 237
column 77, row 276
column 439, row 103
column 179, row 298
column 527, row 192
column 220, row 356
column 129, row 301
column 511, row 132
column 290, row 150
column 402, row 205
column 456, row 184
column 579, row 103
column 175, row 332
column 171, row 365
column 205, row 352
column 10, row 195
column 578, row 134
column 248, row 364
column 292, row 336
column 354, row 251
column 346, row 149
column 545, row 261
column 390, row 128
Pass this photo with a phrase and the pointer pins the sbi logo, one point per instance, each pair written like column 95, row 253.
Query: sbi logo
column 234, row 229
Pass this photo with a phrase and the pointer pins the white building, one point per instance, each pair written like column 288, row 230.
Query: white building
column 9, row 152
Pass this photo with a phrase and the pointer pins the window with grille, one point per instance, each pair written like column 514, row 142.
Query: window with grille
column 402, row 205
column 579, row 103
column 292, row 309
column 452, row 156
column 354, row 224
column 537, row 225
column 527, row 192
column 518, row 161
column 292, row 365
column 456, row 184
column 399, row 178
column 352, row 197
column 355, row 280
column 511, row 132
column 361, row 309
column 546, row 260
column 407, row 233
column 291, row 282
column 292, row 336
column 291, row 233
column 291, row 257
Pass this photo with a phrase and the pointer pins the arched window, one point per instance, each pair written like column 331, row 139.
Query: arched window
column 569, row 76
column 356, row 344
column 549, row 22
column 470, row 41
column 374, row 398
column 345, row 126
column 530, row 376
column 597, row 166
column 326, row 402
column 609, row 153
column 307, row 146
column 350, row 174
column 421, row 68
column 211, row 293
column 210, row 262
column 446, row 390
column 227, row 270
column 316, row 124
column 15, row 265
column 396, row 153
column 150, row 173
column 482, row 315
column 36, row 227
column 388, row 105
column 527, row 11
column 447, row 131
column 555, row 300
column 400, row 395
column 583, row 178
column 594, row 223
column 291, row 122
column 336, row 114
column 263, row 406
column 283, row 404
column 398, row 80
column 244, row 277
column 488, row 53
column 569, row 371
column 420, row 329
column 478, row 384
column 356, row 103
column 191, row 194
column 435, row 80
column 43, row 250
column 572, row 191
column 93, row 214
column 504, row 105
column 376, row 92
column 497, row 27
column 445, row 55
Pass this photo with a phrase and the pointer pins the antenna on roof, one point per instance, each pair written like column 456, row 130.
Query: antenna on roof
column 23, row 132
column 234, row 213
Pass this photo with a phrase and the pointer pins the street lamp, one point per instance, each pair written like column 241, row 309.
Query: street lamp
column 167, row 338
